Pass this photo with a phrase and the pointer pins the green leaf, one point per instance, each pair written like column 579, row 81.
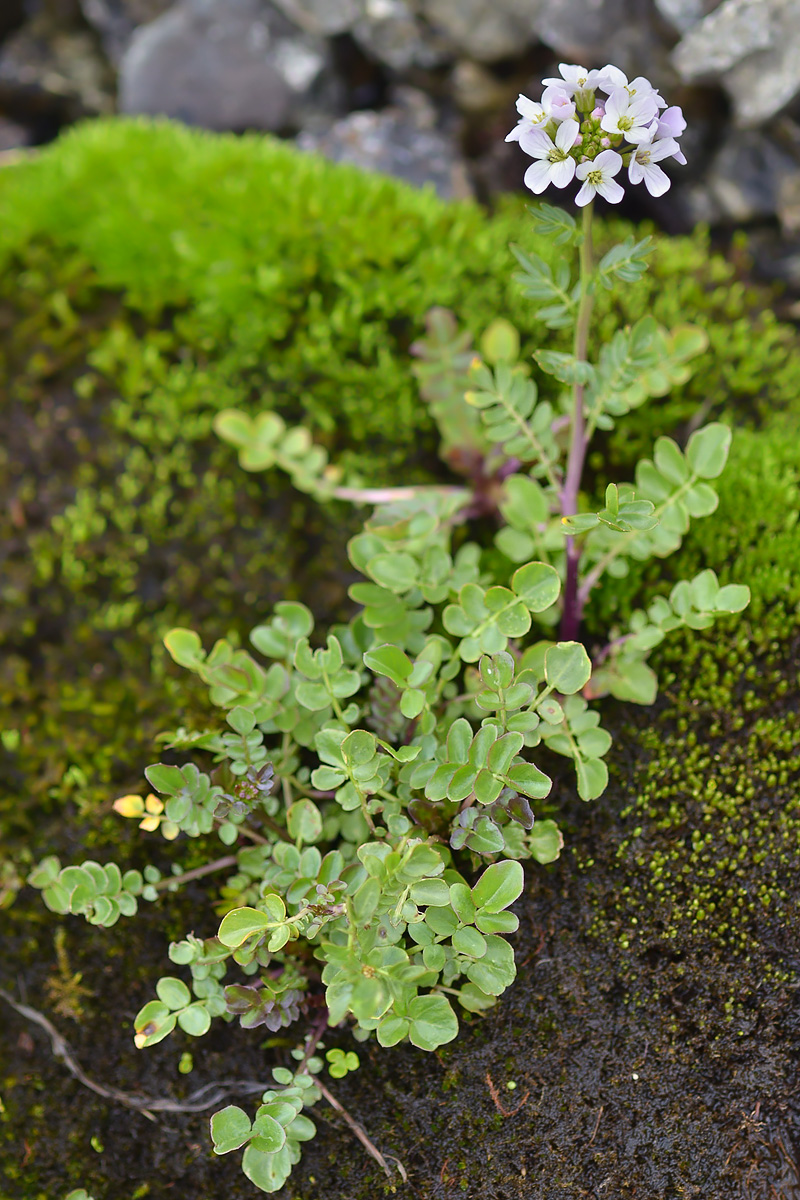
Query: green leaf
column 270, row 1133
column 567, row 667
column 537, row 585
column 167, row 780
column 669, row 461
column 195, row 1020
column 397, row 572
column 707, row 451
column 529, row 780
column 268, row 1172
column 565, row 367
column 468, row 941
column 500, row 342
column 390, row 661
column 496, row 970
column 392, row 1030
column 173, row 992
column 304, row 821
column 240, row 924
column 153, row 1023
column 557, row 226
column 433, row 1022
column 358, row 748
column 430, row 891
column 241, row 720
column 474, row 1000
column 230, row 1129
column 592, row 777
column 499, row 886
column 184, row 647
column 732, row 598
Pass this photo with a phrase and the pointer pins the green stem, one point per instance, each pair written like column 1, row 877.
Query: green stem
column 571, row 618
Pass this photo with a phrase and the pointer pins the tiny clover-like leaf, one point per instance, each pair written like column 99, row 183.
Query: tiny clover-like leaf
column 185, row 648
column 268, row 1172
column 500, row 342
column 537, row 585
column 390, row 661
column 567, row 667
column 240, row 924
column 195, row 1020
column 499, row 886
column 545, row 841
column 269, row 1135
column 304, row 821
column 432, row 1022
column 707, row 450
column 230, row 1128
column 153, row 1023
column 173, row 992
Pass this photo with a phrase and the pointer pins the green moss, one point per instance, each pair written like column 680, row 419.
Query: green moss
column 151, row 276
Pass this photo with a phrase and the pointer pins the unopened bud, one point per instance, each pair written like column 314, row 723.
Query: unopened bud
column 599, row 112
column 605, row 142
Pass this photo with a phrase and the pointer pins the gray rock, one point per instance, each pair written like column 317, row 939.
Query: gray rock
column 322, row 17
column 220, row 64
column 748, row 181
column 753, row 47
column 47, row 66
column 595, row 32
column 391, row 32
column 683, row 14
column 115, row 20
column 401, row 140
column 486, row 30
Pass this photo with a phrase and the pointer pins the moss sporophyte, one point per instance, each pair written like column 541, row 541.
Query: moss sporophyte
column 376, row 783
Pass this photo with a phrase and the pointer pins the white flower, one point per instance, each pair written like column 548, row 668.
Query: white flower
column 575, row 78
column 642, row 165
column 598, row 178
column 558, row 103
column 629, row 115
column 671, row 124
column 555, row 106
column 610, row 78
column 555, row 164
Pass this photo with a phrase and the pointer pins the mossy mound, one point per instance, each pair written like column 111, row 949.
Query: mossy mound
column 151, row 276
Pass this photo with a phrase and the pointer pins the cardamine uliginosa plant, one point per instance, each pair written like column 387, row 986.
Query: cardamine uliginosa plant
column 376, row 784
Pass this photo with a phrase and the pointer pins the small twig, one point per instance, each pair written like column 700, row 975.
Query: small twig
column 197, row 872
column 504, row 1112
column 369, row 1146
column 596, row 1125
column 387, row 495
column 146, row 1105
column 314, row 1038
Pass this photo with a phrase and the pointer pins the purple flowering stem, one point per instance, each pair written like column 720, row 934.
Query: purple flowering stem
column 571, row 616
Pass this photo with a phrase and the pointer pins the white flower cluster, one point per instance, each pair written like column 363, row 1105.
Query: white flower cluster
column 573, row 133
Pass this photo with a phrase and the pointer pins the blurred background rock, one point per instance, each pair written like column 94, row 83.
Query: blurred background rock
column 425, row 89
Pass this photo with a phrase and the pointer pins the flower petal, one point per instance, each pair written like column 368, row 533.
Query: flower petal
column 611, row 191
column 656, row 181
column 562, row 173
column 567, row 135
column 608, row 161
column 537, row 176
column 585, row 195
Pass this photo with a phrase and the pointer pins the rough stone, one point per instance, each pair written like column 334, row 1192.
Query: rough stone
column 598, row 31
column 391, row 32
column 220, row 64
column 753, row 46
column 115, row 20
column 486, row 30
column 747, row 178
column 46, row 65
column 322, row 17
column 401, row 140
column 683, row 14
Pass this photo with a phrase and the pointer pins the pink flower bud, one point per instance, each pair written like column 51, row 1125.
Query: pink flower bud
column 605, row 142
column 599, row 112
